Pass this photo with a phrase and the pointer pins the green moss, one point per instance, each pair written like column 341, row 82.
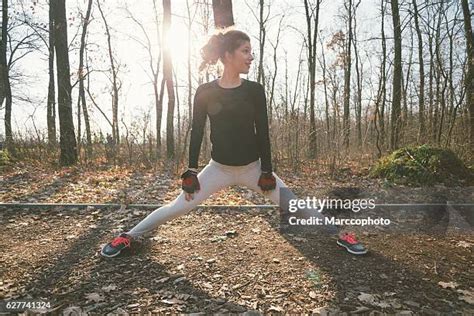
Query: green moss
column 4, row 158
column 423, row 165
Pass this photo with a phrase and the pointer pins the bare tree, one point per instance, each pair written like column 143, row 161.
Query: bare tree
column 6, row 92
column 153, row 65
column 359, row 71
column 168, row 80
column 51, row 103
column 469, row 80
column 115, row 82
column 347, row 75
column 397, row 77
column 312, row 24
column 66, row 126
column 421, row 93
column 81, row 101
column 262, row 21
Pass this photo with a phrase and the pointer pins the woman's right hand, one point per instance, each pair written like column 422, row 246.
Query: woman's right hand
column 190, row 184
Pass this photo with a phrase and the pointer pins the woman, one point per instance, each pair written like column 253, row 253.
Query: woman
column 240, row 154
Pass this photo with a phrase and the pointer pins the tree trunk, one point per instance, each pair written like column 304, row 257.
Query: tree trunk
column 347, row 79
column 405, row 85
column 6, row 88
column 115, row 88
column 82, row 95
column 261, row 44
column 311, row 39
column 67, row 139
column 397, row 78
column 51, row 103
column 359, row 71
column 168, row 77
column 469, row 80
column 156, row 92
column 421, row 94
column 384, row 78
column 326, row 97
column 223, row 16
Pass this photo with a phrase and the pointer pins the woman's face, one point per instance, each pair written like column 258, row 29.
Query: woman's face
column 241, row 59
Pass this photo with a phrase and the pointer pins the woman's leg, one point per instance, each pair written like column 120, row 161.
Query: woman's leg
column 211, row 179
column 249, row 177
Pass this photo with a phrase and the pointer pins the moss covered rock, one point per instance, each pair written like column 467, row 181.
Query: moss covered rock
column 5, row 159
column 423, row 165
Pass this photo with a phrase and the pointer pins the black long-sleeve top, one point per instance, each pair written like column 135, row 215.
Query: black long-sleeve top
column 239, row 124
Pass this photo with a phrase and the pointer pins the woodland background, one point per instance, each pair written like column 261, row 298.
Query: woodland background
column 345, row 80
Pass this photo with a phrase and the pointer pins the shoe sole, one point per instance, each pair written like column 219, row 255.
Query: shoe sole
column 109, row 256
column 349, row 250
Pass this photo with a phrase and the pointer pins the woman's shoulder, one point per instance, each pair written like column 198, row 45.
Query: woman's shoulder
column 253, row 84
column 206, row 85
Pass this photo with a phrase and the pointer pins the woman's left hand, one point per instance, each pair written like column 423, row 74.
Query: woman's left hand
column 267, row 181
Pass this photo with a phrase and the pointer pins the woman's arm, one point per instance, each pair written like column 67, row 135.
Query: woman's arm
column 197, row 131
column 261, row 126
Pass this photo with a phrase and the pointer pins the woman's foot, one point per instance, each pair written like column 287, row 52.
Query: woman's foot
column 113, row 248
column 352, row 245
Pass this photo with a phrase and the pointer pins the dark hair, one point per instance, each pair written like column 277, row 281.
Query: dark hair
column 220, row 43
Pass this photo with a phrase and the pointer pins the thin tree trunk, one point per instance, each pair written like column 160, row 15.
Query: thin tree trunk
column 359, row 71
column 115, row 88
column 326, row 97
column 347, row 78
column 82, row 95
column 157, row 93
column 421, row 94
column 397, row 78
column 405, row 85
column 6, row 88
column 261, row 43
column 469, row 80
column 311, row 39
column 168, row 77
column 383, row 78
column 51, row 103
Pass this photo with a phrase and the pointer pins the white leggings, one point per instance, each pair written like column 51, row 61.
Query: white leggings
column 214, row 177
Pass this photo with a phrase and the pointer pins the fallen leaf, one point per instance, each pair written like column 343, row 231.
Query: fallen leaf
column 468, row 296
column 275, row 309
column 72, row 310
column 448, row 285
column 172, row 301
column 464, row 244
column 96, row 297
column 109, row 288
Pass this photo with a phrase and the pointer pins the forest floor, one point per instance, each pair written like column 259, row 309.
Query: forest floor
column 226, row 260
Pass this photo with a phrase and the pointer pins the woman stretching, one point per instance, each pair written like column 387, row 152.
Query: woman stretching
column 240, row 155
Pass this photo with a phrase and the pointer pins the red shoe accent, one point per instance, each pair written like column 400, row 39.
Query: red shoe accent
column 119, row 240
column 350, row 238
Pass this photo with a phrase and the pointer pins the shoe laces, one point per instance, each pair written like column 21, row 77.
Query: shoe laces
column 119, row 240
column 350, row 238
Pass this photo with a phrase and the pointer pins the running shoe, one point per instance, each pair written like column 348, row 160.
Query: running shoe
column 349, row 241
column 113, row 248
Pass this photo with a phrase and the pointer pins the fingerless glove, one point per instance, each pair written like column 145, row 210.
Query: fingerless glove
column 190, row 182
column 267, row 181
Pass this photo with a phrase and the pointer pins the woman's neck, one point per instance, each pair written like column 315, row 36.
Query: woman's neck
column 230, row 79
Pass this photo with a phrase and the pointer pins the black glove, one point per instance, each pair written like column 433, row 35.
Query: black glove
column 267, row 181
column 190, row 182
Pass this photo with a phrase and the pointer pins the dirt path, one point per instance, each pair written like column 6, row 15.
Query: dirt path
column 215, row 260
